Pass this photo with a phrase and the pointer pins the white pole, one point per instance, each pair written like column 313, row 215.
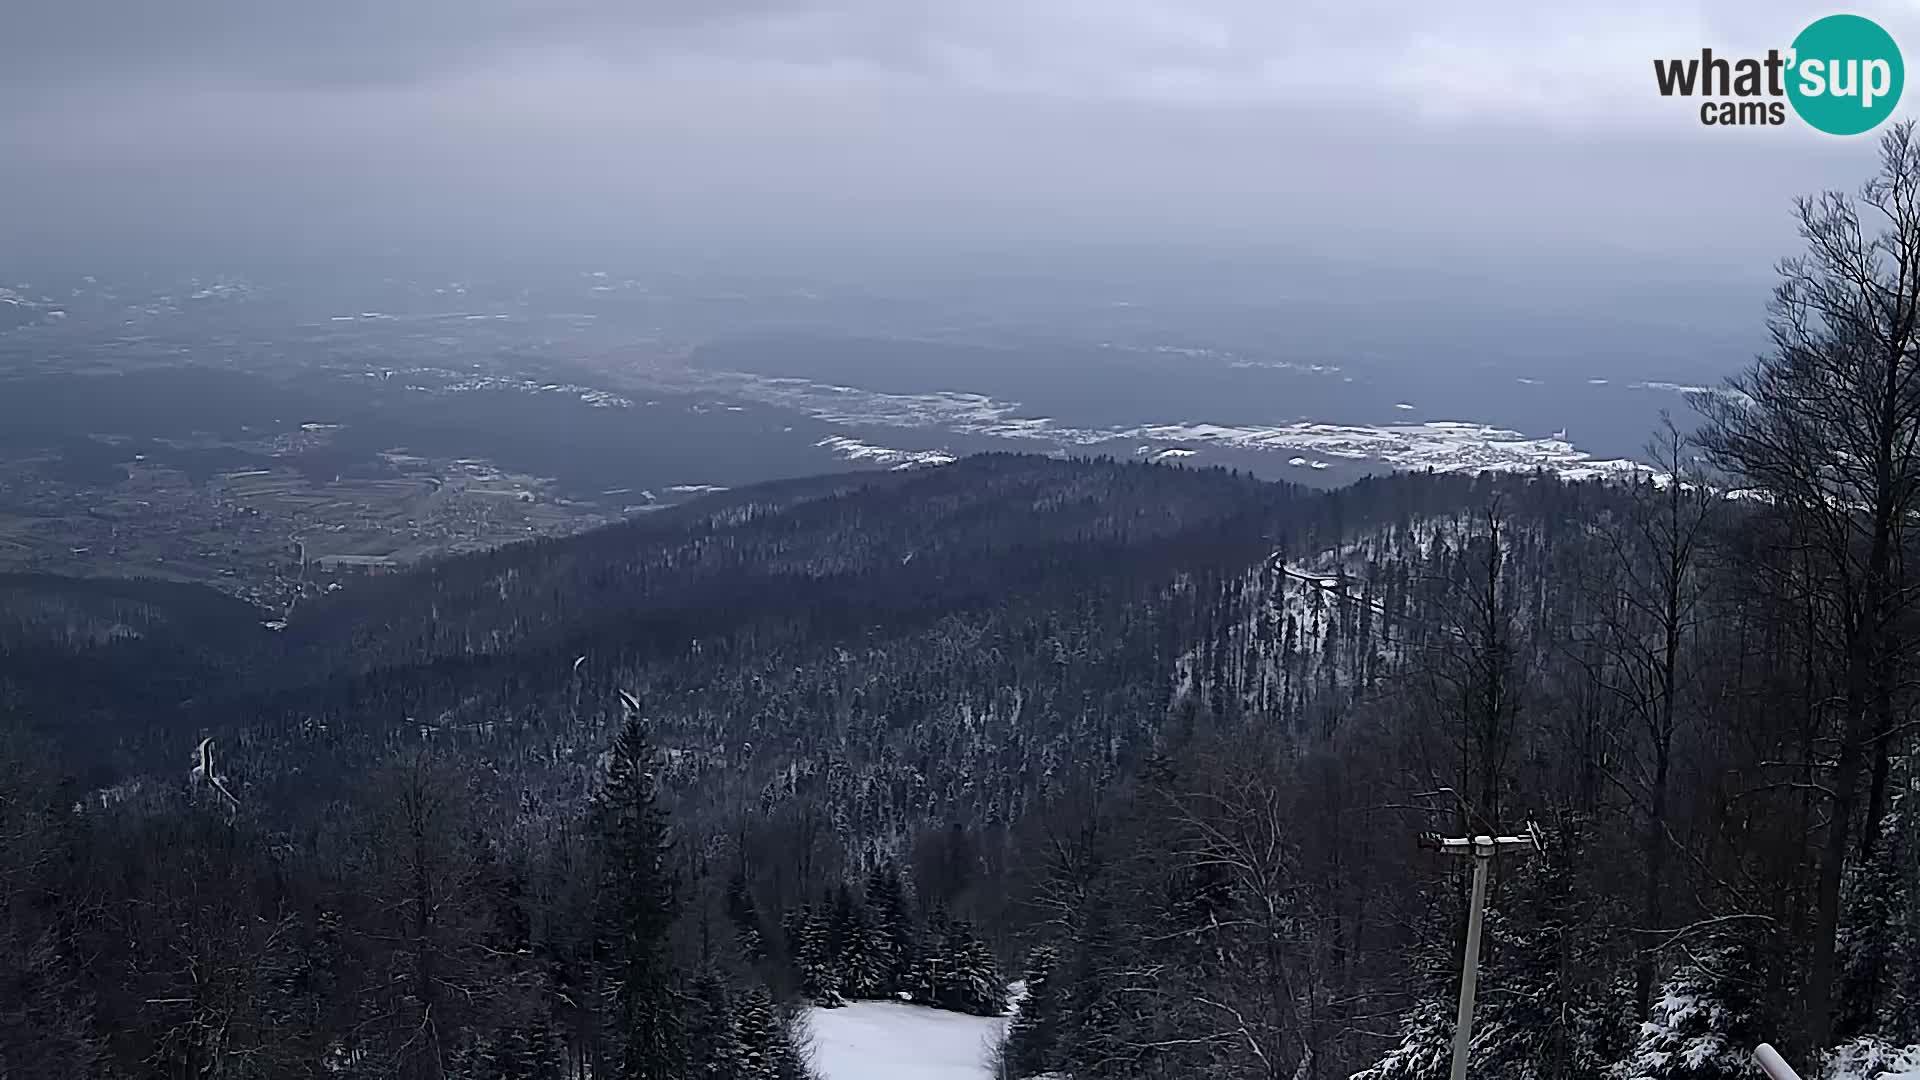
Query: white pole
column 1481, row 849
column 1773, row 1064
column 1470, row 964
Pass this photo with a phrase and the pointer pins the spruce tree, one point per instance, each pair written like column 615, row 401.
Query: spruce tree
column 970, row 979
column 1096, row 1023
column 790, row 1053
column 1880, row 982
column 895, row 936
column 843, row 921
column 745, row 918
column 1705, row 1021
column 867, row 966
column 1426, row 1044
column 1899, row 1012
column 713, row 1032
column 1034, row 1034
column 813, row 960
column 861, row 950
column 770, row 1039
column 635, row 908
column 757, row 1026
column 926, row 978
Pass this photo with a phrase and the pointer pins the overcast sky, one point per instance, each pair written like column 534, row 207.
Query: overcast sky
column 1511, row 133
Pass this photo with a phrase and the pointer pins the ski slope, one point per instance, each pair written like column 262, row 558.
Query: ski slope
column 888, row 1040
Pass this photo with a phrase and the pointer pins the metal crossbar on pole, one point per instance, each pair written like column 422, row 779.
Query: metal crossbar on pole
column 1482, row 849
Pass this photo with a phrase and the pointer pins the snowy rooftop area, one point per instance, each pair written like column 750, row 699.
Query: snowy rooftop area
column 886, row 1040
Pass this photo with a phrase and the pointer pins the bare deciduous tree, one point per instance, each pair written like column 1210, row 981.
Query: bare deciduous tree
column 1650, row 616
column 1824, row 429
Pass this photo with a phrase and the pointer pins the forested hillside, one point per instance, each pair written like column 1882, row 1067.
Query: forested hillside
column 859, row 689
column 1157, row 741
column 931, row 731
column 872, row 698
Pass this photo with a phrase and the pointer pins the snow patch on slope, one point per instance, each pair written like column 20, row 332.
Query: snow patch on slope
column 887, row 1040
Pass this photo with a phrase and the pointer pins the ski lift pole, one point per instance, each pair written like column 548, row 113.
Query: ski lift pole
column 1481, row 849
column 1470, row 965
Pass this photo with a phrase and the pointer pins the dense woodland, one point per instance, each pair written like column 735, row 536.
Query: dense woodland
column 1156, row 741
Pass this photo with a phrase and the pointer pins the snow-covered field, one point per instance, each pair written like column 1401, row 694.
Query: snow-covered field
column 885, row 1040
column 854, row 450
column 1447, row 446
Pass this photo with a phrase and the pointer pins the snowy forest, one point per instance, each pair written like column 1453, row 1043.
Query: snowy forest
column 1157, row 742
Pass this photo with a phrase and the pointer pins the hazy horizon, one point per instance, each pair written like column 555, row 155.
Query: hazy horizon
column 1431, row 197
column 1506, row 141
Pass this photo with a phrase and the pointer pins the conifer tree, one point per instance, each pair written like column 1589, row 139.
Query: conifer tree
column 813, row 959
column 1034, row 1035
column 1705, row 1021
column 969, row 978
column 1426, row 1045
column 635, row 909
column 770, row 1040
column 861, row 950
column 714, row 1030
column 745, row 918
column 1880, row 983
column 1095, row 1027
column 894, row 930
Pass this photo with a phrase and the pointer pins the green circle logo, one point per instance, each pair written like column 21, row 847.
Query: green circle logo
column 1846, row 75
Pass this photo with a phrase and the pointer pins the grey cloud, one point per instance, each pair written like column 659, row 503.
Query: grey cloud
column 1208, row 47
column 318, row 41
column 1513, row 134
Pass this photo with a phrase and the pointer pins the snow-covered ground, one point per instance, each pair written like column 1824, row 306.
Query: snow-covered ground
column 886, row 1040
column 854, row 450
column 1444, row 445
column 1871, row 1059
